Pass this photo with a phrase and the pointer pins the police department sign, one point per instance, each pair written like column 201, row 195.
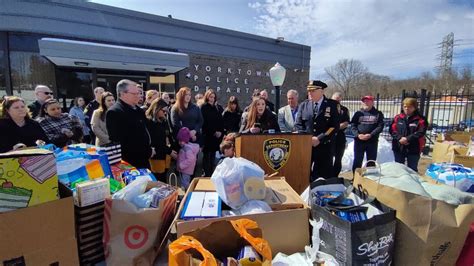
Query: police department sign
column 276, row 152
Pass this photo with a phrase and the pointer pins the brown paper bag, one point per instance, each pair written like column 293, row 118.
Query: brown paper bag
column 429, row 232
column 133, row 236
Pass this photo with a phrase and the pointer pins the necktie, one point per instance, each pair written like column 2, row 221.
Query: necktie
column 315, row 109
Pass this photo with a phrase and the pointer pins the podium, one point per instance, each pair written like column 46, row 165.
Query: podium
column 289, row 154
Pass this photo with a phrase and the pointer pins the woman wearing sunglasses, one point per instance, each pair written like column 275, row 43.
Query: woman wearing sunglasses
column 161, row 138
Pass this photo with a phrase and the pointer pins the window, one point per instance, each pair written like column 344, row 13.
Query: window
column 3, row 64
column 163, row 83
column 28, row 67
column 72, row 84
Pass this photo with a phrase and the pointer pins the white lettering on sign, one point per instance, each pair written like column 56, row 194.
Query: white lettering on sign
column 196, row 67
column 246, row 81
column 229, row 71
column 207, row 88
column 259, row 73
column 370, row 249
column 228, row 90
column 238, row 90
column 249, row 72
column 236, row 80
column 208, row 68
column 247, row 90
column 238, row 70
column 267, row 74
column 219, row 69
column 218, row 80
column 196, row 77
column 196, row 88
column 218, row 89
column 207, row 78
column 227, row 80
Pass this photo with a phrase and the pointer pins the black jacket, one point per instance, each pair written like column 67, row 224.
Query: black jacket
column 267, row 121
column 35, row 109
column 270, row 105
column 127, row 126
column 325, row 125
column 213, row 122
column 344, row 117
column 11, row 134
column 231, row 121
column 413, row 128
column 161, row 136
column 89, row 110
column 367, row 122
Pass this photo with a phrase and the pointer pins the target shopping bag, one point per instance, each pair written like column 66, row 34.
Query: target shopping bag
column 132, row 236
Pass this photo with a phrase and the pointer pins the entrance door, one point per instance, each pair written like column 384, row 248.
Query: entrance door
column 109, row 81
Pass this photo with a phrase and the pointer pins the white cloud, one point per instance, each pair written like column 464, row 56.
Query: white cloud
column 396, row 38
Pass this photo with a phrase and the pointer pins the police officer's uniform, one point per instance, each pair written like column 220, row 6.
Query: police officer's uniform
column 323, row 122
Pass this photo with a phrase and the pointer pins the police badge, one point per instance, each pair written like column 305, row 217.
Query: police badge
column 276, row 152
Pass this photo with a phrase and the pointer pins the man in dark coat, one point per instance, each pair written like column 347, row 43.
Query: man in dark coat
column 42, row 93
column 340, row 142
column 126, row 124
column 319, row 116
column 366, row 125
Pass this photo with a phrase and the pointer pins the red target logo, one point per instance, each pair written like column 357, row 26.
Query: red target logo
column 135, row 236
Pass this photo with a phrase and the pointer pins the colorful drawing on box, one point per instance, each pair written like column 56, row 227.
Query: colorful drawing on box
column 12, row 198
column 40, row 168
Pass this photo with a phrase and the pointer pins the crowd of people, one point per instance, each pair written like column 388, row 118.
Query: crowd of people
column 154, row 132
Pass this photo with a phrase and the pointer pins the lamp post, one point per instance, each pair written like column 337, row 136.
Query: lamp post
column 277, row 75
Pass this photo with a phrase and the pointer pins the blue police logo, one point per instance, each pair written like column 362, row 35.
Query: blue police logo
column 276, row 152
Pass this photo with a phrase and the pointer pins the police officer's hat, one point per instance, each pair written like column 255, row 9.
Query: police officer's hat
column 316, row 84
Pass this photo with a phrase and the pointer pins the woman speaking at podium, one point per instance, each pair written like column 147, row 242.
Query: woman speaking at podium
column 259, row 119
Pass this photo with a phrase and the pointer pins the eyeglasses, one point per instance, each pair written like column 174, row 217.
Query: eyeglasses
column 134, row 93
column 47, row 93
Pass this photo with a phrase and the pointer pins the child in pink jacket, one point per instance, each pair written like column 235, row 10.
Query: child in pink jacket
column 187, row 156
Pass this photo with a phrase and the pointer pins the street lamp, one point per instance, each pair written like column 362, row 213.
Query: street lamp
column 277, row 75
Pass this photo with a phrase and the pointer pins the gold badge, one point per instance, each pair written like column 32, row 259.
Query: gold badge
column 328, row 112
column 276, row 152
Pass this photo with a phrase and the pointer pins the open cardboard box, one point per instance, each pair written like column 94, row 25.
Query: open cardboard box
column 39, row 235
column 286, row 228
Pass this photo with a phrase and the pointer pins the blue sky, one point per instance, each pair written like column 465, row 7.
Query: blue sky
column 398, row 38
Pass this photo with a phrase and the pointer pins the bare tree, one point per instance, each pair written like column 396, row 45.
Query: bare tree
column 346, row 74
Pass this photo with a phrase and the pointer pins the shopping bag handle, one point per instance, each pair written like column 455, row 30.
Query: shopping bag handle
column 335, row 204
column 259, row 244
column 175, row 179
column 188, row 242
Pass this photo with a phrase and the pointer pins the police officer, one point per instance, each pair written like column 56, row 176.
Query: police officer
column 319, row 116
column 340, row 145
column 366, row 125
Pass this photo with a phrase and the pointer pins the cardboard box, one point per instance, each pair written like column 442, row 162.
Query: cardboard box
column 459, row 136
column 459, row 156
column 279, row 194
column 443, row 151
column 27, row 178
column 287, row 230
column 39, row 235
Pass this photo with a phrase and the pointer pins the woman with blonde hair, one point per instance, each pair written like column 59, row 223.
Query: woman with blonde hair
column 150, row 96
column 259, row 119
column 184, row 113
column 408, row 134
column 17, row 129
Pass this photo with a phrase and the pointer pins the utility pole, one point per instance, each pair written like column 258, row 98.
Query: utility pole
column 446, row 58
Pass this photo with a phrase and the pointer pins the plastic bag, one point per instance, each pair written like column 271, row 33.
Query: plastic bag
column 188, row 242
column 230, row 179
column 452, row 174
column 253, row 207
column 132, row 190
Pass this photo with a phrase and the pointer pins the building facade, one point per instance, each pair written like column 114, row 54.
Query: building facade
column 74, row 46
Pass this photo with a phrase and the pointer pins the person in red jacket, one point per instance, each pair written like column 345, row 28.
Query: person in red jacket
column 408, row 132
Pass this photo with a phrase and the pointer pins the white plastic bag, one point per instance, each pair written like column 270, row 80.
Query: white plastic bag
column 230, row 179
column 253, row 207
column 132, row 190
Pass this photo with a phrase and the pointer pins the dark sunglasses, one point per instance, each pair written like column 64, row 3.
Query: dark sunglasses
column 47, row 93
